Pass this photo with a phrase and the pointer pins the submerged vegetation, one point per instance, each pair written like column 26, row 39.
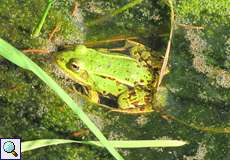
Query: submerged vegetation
column 196, row 92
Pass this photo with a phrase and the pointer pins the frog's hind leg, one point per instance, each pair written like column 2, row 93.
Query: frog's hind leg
column 143, row 54
column 134, row 98
column 134, row 101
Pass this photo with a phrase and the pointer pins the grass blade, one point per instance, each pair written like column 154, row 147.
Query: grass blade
column 142, row 143
column 31, row 145
column 114, row 13
column 166, row 57
column 42, row 21
column 18, row 58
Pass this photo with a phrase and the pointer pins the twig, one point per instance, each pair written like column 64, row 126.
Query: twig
column 118, row 49
column 55, row 30
column 188, row 26
column 41, row 51
column 166, row 57
column 215, row 130
column 112, row 40
column 75, row 9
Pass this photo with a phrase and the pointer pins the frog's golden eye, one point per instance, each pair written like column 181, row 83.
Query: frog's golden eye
column 74, row 66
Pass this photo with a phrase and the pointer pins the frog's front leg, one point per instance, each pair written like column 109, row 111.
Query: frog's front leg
column 93, row 96
column 90, row 94
column 134, row 98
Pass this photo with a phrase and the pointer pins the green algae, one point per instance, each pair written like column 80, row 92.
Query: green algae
column 199, row 73
column 199, row 54
column 20, row 18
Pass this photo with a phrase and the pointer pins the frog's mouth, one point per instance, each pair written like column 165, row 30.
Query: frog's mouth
column 77, row 79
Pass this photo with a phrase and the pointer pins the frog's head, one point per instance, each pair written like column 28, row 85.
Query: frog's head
column 64, row 57
column 69, row 62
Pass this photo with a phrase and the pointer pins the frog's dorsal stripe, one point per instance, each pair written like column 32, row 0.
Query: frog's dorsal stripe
column 115, row 55
column 109, row 77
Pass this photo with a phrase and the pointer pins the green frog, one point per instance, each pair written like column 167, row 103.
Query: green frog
column 129, row 78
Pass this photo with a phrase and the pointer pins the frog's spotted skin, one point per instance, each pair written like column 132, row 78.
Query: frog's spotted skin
column 143, row 54
column 109, row 74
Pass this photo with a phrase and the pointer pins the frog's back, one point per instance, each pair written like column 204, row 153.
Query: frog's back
column 114, row 65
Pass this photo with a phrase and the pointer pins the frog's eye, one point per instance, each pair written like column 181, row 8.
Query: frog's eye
column 75, row 67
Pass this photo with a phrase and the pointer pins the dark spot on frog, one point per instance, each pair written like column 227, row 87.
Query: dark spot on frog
column 147, row 99
column 149, row 85
column 80, row 88
column 135, row 83
column 132, row 91
column 115, row 72
column 132, row 94
column 149, row 81
column 130, row 88
column 136, row 104
column 109, row 100
column 117, row 83
column 142, row 108
column 110, row 78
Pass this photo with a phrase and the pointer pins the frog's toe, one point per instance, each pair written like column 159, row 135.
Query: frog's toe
column 94, row 97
